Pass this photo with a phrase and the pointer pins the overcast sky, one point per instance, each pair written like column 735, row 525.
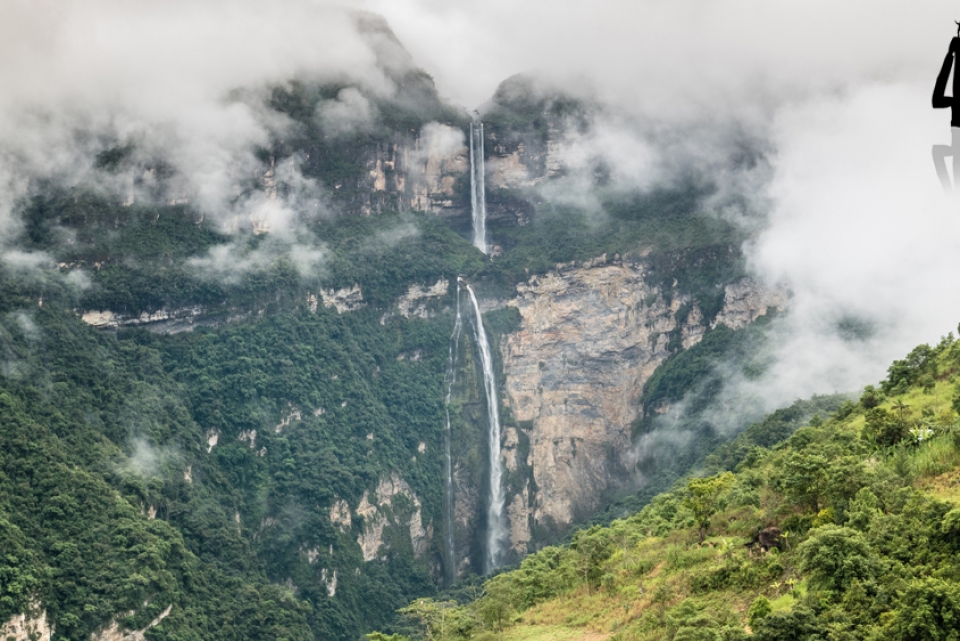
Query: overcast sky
column 859, row 227
column 840, row 91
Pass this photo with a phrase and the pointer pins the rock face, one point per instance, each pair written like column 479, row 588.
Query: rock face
column 113, row 632
column 514, row 164
column 746, row 300
column 166, row 321
column 27, row 627
column 413, row 303
column 382, row 509
column 343, row 300
column 590, row 338
column 424, row 172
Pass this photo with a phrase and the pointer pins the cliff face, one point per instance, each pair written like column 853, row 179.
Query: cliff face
column 383, row 509
column 393, row 504
column 428, row 172
column 27, row 627
column 590, row 338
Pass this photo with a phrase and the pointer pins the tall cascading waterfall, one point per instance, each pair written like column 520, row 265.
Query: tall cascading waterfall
column 496, row 528
column 449, row 378
column 478, row 198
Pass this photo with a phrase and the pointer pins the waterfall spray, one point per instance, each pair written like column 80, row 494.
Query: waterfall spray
column 496, row 528
column 450, row 377
column 478, row 198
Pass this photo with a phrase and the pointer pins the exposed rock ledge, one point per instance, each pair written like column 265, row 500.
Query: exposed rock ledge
column 379, row 510
column 412, row 303
column 114, row 633
column 167, row 321
column 27, row 627
column 346, row 299
column 35, row 627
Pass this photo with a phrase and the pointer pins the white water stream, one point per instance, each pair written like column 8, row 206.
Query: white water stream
column 450, row 377
column 478, row 198
column 496, row 527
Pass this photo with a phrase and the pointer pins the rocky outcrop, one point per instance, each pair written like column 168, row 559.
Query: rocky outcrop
column 381, row 509
column 293, row 414
column 34, row 626
column 423, row 172
column 345, row 299
column 165, row 320
column 514, row 164
column 330, row 580
column 590, row 338
column 340, row 515
column 746, row 300
column 27, row 627
column 113, row 632
column 414, row 302
column 212, row 437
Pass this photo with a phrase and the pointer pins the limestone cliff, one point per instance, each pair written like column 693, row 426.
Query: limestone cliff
column 31, row 626
column 114, row 632
column 392, row 504
column 167, row 321
column 590, row 337
column 425, row 172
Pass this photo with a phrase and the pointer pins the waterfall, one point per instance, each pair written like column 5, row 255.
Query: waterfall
column 449, row 378
column 496, row 528
column 478, row 198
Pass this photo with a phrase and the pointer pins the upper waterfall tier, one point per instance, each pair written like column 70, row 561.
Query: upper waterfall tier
column 478, row 198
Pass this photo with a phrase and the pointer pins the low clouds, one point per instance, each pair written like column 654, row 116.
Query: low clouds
column 833, row 99
column 676, row 59
column 349, row 113
column 860, row 230
column 833, row 103
column 180, row 85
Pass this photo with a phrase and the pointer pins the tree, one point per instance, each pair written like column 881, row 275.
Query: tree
column 593, row 547
column 798, row 624
column 883, row 428
column 431, row 616
column 703, row 499
column 803, row 477
column 834, row 556
column 497, row 603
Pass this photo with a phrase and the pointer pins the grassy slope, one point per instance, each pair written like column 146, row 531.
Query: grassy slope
column 871, row 521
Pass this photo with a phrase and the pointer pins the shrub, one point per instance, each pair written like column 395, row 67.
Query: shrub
column 759, row 609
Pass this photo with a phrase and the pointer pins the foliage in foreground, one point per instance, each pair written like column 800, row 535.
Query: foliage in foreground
column 866, row 501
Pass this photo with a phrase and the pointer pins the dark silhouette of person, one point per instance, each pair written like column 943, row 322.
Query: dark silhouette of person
column 942, row 101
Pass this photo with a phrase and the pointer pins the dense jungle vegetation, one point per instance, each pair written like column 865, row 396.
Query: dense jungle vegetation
column 111, row 496
column 198, row 470
column 865, row 503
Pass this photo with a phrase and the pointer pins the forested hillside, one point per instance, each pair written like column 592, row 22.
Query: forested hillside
column 230, row 422
column 846, row 528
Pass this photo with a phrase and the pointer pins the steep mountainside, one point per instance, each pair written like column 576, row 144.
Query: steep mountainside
column 234, row 426
column 845, row 528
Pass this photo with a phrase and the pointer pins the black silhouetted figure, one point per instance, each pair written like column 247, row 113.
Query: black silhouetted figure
column 942, row 101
